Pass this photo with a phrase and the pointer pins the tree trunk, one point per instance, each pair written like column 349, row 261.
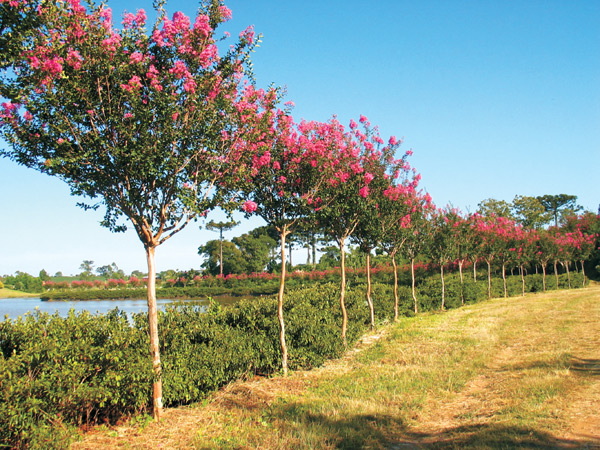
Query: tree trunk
column 475, row 270
column 343, row 291
column 556, row 272
column 369, row 299
column 443, row 288
column 314, row 250
column 284, row 353
column 504, row 279
column 583, row 272
column 221, row 254
column 460, row 270
column 157, row 405
column 412, row 273
column 489, row 279
column 566, row 265
column 523, row 280
column 395, row 286
column 290, row 247
column 544, row 276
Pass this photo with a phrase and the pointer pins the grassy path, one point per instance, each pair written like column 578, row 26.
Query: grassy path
column 503, row 374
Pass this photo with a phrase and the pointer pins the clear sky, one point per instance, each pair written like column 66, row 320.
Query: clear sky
column 496, row 98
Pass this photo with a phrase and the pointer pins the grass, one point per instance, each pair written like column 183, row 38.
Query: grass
column 10, row 293
column 507, row 373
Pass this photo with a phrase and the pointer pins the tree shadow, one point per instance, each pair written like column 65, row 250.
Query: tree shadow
column 498, row 436
column 386, row 432
column 590, row 367
column 581, row 366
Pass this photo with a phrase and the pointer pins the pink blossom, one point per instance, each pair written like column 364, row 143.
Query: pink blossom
column 136, row 57
column 225, row 13
column 201, row 25
column 364, row 192
column 175, row 116
column 353, row 124
column 128, row 116
column 393, row 141
column 74, row 59
column 53, row 66
column 248, row 34
column 363, row 119
column 368, row 177
column 28, row 117
column 140, row 17
column 250, row 206
column 282, row 179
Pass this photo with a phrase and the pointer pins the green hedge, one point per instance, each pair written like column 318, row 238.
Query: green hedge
column 169, row 292
column 57, row 373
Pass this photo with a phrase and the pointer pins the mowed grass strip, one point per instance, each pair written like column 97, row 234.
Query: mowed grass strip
column 506, row 373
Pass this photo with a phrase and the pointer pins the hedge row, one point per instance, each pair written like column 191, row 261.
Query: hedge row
column 169, row 293
column 59, row 373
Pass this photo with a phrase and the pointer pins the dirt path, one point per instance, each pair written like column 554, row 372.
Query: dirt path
column 529, row 355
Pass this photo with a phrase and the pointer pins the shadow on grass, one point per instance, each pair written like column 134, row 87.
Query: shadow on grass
column 581, row 366
column 590, row 367
column 378, row 431
column 497, row 436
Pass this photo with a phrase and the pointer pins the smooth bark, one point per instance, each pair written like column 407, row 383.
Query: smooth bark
column 343, row 291
column 443, row 288
column 504, row 279
column 395, row 266
column 157, row 405
column 414, row 295
column 369, row 299
column 284, row 352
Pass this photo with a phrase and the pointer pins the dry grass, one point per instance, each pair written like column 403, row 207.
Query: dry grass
column 508, row 373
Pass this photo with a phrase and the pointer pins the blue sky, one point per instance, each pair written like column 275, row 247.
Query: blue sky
column 495, row 98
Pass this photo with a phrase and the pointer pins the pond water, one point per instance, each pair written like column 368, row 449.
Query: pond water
column 14, row 307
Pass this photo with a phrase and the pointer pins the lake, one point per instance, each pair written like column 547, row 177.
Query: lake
column 15, row 307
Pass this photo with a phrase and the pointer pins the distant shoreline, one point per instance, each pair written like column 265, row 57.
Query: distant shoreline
column 9, row 293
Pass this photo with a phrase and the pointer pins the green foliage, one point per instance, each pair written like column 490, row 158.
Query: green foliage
column 24, row 282
column 1, row 285
column 233, row 259
column 491, row 206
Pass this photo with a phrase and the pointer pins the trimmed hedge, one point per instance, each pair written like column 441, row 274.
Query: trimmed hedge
column 169, row 292
column 57, row 373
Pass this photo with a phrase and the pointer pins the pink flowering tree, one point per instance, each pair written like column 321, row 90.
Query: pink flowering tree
column 380, row 170
column 524, row 250
column 149, row 124
column 396, row 205
column 484, row 228
column 363, row 170
column 286, row 176
column 418, row 231
column 443, row 242
column 546, row 251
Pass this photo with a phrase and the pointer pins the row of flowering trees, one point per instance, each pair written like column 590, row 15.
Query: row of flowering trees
column 160, row 127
